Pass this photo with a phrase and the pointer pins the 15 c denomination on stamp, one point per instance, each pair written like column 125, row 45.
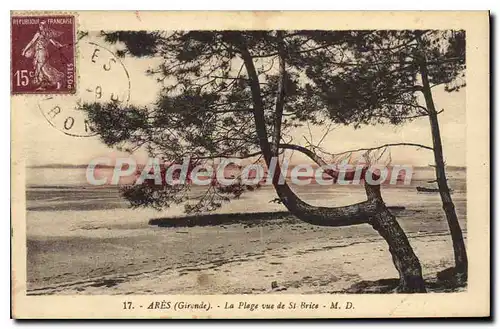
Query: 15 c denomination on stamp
column 43, row 54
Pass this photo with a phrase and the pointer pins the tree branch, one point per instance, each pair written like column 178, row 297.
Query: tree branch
column 280, row 97
column 359, row 213
column 380, row 147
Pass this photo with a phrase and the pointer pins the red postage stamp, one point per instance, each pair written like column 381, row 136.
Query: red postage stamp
column 43, row 55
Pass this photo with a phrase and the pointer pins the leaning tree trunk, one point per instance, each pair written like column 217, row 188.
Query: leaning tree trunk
column 372, row 211
column 461, row 263
column 405, row 260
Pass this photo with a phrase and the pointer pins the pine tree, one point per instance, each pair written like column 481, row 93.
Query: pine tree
column 239, row 94
column 379, row 80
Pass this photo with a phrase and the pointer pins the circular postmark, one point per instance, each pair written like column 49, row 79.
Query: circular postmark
column 102, row 78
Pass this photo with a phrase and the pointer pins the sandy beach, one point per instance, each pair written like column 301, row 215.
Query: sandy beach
column 87, row 241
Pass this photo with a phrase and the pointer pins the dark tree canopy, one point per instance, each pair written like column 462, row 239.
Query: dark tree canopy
column 378, row 80
column 205, row 106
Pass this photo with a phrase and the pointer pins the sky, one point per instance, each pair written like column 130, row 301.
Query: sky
column 45, row 144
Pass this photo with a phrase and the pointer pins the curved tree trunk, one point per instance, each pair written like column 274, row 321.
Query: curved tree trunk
column 372, row 211
column 403, row 257
column 384, row 222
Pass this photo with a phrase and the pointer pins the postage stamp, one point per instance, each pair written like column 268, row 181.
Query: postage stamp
column 43, row 55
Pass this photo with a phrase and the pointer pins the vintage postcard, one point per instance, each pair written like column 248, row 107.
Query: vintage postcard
column 250, row 164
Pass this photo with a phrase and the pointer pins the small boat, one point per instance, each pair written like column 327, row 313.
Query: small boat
column 429, row 190
column 426, row 189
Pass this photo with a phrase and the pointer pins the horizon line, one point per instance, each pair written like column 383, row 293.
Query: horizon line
column 77, row 166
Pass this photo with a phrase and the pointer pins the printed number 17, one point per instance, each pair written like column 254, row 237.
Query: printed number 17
column 127, row 305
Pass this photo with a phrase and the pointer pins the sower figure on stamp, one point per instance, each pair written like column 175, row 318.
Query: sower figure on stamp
column 38, row 48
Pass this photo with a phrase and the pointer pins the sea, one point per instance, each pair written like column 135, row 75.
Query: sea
column 65, row 189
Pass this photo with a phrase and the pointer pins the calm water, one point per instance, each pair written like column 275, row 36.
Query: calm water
column 56, row 189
